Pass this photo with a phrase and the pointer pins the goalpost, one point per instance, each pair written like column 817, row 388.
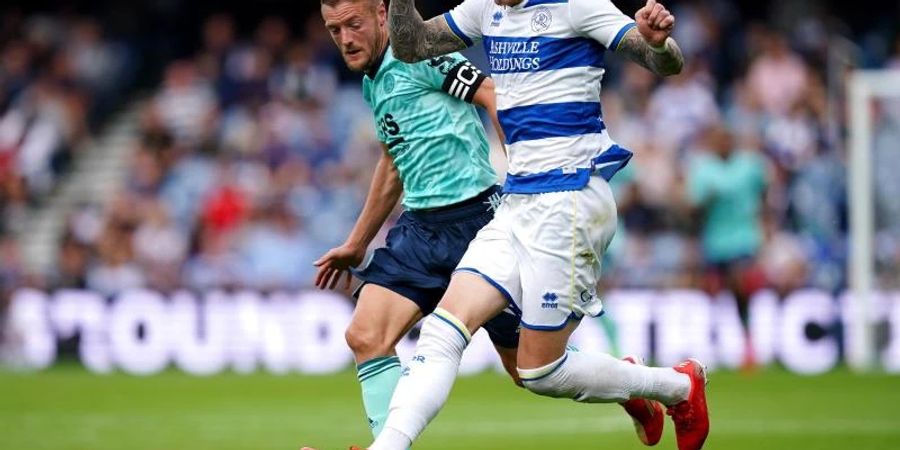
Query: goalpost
column 864, row 87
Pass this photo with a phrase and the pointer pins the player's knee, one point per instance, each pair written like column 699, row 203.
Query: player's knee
column 545, row 387
column 548, row 381
column 367, row 343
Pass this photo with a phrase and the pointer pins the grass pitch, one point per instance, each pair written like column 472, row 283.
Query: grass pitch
column 69, row 409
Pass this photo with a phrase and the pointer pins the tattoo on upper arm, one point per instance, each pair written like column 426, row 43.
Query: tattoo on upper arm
column 414, row 39
column 638, row 50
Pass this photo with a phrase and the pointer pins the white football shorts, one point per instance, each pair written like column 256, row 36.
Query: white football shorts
column 544, row 253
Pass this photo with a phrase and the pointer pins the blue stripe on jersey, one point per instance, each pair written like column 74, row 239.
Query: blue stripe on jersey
column 535, row 54
column 543, row 2
column 610, row 162
column 549, row 120
column 605, row 165
column 615, row 43
column 456, row 30
column 549, row 181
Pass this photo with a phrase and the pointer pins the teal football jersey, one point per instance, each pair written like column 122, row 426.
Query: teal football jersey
column 435, row 137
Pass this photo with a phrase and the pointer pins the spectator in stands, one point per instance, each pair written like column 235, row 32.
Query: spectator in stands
column 116, row 269
column 727, row 186
column 186, row 106
column 72, row 264
column 783, row 258
column 215, row 263
column 778, row 76
column 159, row 246
column 12, row 270
column 275, row 250
column 683, row 106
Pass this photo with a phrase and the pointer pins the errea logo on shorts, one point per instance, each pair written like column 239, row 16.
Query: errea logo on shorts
column 551, row 301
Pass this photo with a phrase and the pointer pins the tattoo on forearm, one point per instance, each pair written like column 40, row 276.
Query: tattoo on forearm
column 638, row 50
column 414, row 39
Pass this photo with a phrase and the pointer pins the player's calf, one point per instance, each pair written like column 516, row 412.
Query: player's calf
column 426, row 381
column 600, row 378
column 381, row 318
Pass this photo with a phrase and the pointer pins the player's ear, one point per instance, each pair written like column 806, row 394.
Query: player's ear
column 381, row 10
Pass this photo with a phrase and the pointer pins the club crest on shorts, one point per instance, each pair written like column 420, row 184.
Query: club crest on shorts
column 541, row 19
column 587, row 296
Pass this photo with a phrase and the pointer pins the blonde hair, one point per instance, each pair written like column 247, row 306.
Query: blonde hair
column 373, row 3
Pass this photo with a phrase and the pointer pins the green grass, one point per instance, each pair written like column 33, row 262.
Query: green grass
column 67, row 409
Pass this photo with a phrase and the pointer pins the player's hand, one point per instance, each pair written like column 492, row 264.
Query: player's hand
column 335, row 264
column 655, row 23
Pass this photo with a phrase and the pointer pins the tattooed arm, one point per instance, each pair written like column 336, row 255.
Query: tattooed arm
column 649, row 44
column 414, row 39
column 663, row 61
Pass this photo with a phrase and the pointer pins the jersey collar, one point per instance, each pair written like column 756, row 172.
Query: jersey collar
column 373, row 71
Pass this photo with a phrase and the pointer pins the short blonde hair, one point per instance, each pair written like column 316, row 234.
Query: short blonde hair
column 333, row 3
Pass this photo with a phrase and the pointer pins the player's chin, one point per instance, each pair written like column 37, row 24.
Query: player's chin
column 356, row 61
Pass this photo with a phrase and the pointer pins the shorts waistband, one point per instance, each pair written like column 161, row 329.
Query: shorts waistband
column 478, row 204
column 605, row 165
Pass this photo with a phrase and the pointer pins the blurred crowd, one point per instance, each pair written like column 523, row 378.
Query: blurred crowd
column 59, row 78
column 739, row 178
column 255, row 154
column 253, row 159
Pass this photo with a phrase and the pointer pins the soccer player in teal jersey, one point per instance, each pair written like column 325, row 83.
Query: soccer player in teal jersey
column 436, row 153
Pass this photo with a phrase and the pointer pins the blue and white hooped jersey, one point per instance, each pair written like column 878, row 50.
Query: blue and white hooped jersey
column 547, row 61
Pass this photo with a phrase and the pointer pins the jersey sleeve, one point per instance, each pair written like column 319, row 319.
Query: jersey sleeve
column 466, row 19
column 453, row 74
column 600, row 20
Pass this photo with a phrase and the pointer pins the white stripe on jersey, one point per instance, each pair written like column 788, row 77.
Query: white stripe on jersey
column 529, row 157
column 557, row 87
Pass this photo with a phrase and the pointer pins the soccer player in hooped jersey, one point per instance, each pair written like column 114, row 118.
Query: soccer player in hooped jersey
column 542, row 251
column 436, row 153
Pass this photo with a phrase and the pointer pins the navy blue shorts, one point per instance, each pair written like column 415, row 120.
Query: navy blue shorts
column 422, row 251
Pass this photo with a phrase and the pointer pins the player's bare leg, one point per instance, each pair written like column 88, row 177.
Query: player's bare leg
column 508, row 358
column 382, row 317
column 470, row 302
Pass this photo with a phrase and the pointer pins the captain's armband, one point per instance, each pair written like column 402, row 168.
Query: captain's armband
column 463, row 81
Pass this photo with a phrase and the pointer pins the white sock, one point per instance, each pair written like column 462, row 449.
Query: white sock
column 425, row 384
column 600, row 378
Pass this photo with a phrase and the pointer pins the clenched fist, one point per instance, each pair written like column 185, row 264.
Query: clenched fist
column 655, row 23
